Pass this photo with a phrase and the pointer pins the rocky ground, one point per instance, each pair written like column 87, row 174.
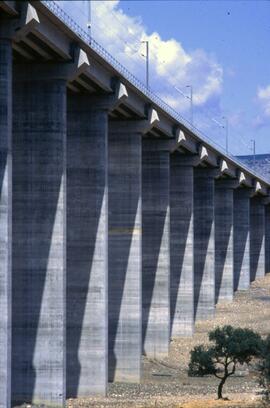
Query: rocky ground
column 166, row 384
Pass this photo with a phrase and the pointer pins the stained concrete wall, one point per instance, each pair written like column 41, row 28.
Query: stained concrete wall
column 125, row 252
column 5, row 218
column 181, row 246
column 257, row 238
column 204, row 243
column 224, row 280
column 87, row 246
column 155, row 247
column 39, row 238
column 241, row 231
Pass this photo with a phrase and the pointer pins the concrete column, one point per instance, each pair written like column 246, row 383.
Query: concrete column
column 5, row 218
column 257, row 238
column 39, row 237
column 87, row 246
column 224, row 240
column 155, row 247
column 267, row 238
column 241, row 223
column 181, row 246
column 125, row 253
column 204, row 243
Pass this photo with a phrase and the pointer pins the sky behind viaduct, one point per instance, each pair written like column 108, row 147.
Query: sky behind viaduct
column 221, row 48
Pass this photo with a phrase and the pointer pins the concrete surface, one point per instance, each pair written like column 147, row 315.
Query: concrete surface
column 241, row 225
column 125, row 253
column 39, row 240
column 182, row 242
column 257, row 238
column 5, row 218
column 224, row 280
column 87, row 247
column 155, row 248
column 204, row 243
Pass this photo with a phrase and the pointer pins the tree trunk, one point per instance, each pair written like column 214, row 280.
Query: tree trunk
column 220, row 387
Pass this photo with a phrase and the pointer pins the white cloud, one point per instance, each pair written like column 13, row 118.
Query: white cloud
column 263, row 96
column 170, row 64
column 263, row 99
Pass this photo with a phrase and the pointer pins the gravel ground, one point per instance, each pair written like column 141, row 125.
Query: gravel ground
column 250, row 309
column 166, row 384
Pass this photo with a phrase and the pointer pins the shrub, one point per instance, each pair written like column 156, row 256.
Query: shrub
column 230, row 346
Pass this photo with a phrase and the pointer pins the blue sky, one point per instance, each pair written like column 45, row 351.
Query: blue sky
column 221, row 48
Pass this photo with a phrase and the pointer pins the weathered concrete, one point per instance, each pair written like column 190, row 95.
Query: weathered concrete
column 39, row 238
column 224, row 240
column 181, row 246
column 241, row 231
column 5, row 218
column 125, row 253
column 37, row 214
column 155, row 247
column 257, row 238
column 267, row 238
column 87, row 246
column 204, row 243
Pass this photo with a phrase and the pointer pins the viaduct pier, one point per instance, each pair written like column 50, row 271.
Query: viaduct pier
column 120, row 225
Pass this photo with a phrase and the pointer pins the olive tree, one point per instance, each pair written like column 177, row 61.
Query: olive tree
column 229, row 346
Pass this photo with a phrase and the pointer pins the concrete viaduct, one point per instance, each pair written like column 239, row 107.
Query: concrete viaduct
column 119, row 225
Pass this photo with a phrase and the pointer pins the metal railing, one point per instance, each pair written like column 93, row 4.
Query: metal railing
column 92, row 43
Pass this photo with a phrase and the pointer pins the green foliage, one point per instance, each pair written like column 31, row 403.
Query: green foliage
column 230, row 346
column 201, row 362
column 236, row 344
